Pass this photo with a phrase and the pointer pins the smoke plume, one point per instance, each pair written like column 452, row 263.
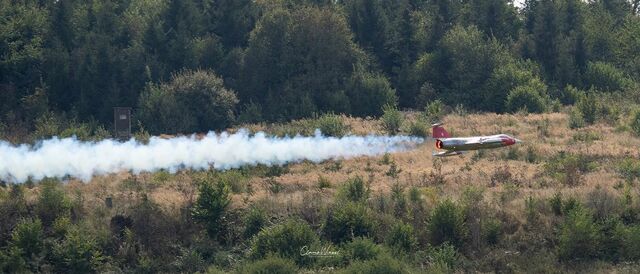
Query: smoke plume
column 69, row 157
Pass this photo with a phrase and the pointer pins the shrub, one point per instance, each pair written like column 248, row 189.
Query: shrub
column 492, row 230
column 354, row 189
column 271, row 264
column 52, row 202
column 605, row 76
column 447, row 224
column 193, row 101
column 419, row 129
column 25, row 247
column 368, row 93
column 579, row 236
column 331, row 125
column 570, row 95
column 361, row 249
column 556, row 203
column 588, row 106
column 254, row 221
column 381, row 265
column 630, row 242
column 629, row 169
column 444, row 255
column 568, row 168
column 635, row 122
column 348, row 220
column 211, row 205
column 401, row 237
column 530, row 97
column 236, row 181
column 434, row 111
column 188, row 261
column 323, row 182
column 576, row 120
column 392, row 119
column 286, row 240
column 77, row 253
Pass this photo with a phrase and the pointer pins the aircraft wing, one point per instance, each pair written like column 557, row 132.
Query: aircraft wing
column 448, row 153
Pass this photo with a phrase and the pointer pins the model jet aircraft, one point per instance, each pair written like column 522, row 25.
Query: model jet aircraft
column 460, row 145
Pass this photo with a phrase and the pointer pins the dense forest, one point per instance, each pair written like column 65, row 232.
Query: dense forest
column 197, row 65
column 563, row 75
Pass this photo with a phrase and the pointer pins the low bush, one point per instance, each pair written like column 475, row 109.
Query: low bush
column 444, row 255
column 348, row 220
column 211, row 205
column 447, row 224
column 392, row 119
column 271, row 264
column 579, row 236
column 635, row 122
column 285, row 239
column 419, row 129
column 576, row 120
column 530, row 97
column 434, row 111
column 361, row 249
column 331, row 125
column 629, row 169
column 254, row 221
column 401, row 237
column 381, row 265
column 354, row 189
column 568, row 168
column 52, row 202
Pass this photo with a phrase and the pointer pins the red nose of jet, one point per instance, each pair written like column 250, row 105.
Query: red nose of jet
column 507, row 141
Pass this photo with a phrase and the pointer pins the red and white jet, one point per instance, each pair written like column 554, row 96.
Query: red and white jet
column 460, row 145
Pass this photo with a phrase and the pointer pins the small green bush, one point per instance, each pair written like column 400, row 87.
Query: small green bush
column 331, row 125
column 434, row 111
column 630, row 242
column 530, row 97
column 211, row 205
column 635, row 122
column 492, row 229
column 579, row 236
column 445, row 255
column 254, row 221
column 576, row 120
column 77, row 253
column 286, row 240
column 605, row 76
column 588, row 106
column 401, row 237
column 348, row 220
column 354, row 189
column 447, row 224
column 629, row 169
column 361, row 249
column 392, row 119
column 368, row 93
column 419, row 129
column 381, row 265
column 52, row 202
column 271, row 265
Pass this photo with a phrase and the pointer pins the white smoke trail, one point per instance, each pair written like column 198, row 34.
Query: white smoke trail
column 61, row 157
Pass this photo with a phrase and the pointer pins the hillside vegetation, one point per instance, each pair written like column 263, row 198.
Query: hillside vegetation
column 565, row 200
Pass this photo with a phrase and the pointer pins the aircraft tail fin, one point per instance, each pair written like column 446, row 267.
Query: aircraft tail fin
column 439, row 131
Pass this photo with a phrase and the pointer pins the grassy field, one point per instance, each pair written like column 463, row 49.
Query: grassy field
column 515, row 201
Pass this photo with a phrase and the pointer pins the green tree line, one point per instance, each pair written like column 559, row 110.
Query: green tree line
column 198, row 65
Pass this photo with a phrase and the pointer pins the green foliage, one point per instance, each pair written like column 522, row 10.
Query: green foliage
column 630, row 242
column 579, row 236
column 604, row 76
column 392, row 119
column 323, row 182
column 193, row 101
column 447, row 225
column 419, row 129
column 354, row 189
column 188, row 261
column 348, row 220
column 269, row 265
column 383, row 264
column 568, row 168
column 369, row 93
column 530, row 97
column 401, row 237
column 588, row 106
column 635, row 122
column 361, row 249
column 52, row 202
column 286, row 240
column 629, row 169
column 254, row 221
column 444, row 255
column 434, row 111
column 78, row 252
column 331, row 125
column 211, row 205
